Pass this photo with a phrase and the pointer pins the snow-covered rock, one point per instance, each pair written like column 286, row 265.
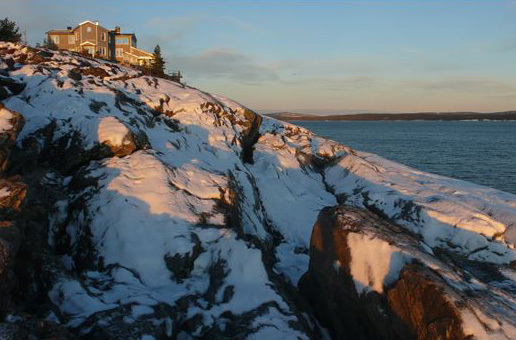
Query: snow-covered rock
column 12, row 194
column 469, row 219
column 368, row 279
column 201, row 226
column 10, row 125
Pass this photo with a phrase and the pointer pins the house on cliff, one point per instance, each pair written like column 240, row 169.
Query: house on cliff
column 90, row 37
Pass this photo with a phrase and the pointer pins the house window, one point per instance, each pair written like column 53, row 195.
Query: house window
column 55, row 39
column 103, row 36
column 88, row 29
column 119, row 52
column 90, row 50
column 102, row 51
column 122, row 41
column 71, row 39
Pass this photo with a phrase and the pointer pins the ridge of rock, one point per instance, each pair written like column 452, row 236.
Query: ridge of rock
column 156, row 209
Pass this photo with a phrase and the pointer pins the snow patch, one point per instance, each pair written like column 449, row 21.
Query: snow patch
column 4, row 192
column 374, row 263
column 5, row 120
column 112, row 131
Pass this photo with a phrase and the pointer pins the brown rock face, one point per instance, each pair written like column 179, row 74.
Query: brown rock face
column 12, row 193
column 128, row 146
column 331, row 290
column 418, row 300
column 78, row 73
column 95, row 71
column 13, row 124
column 368, row 279
column 16, row 121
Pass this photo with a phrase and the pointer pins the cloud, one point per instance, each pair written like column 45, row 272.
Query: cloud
column 510, row 96
column 350, row 83
column 228, row 64
column 471, row 84
column 508, row 45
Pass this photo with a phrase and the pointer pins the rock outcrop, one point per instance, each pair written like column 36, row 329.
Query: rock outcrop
column 152, row 209
column 370, row 279
column 12, row 194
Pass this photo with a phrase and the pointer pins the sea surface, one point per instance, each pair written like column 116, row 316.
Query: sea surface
column 483, row 152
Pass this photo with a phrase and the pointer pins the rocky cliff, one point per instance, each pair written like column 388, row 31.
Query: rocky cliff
column 140, row 208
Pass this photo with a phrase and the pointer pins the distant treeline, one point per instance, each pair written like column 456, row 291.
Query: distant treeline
column 506, row 115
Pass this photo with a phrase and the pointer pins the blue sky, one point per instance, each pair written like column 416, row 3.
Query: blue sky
column 317, row 56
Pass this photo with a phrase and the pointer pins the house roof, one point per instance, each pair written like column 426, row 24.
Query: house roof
column 126, row 34
column 137, row 56
column 91, row 22
column 67, row 31
column 142, row 51
column 88, row 22
column 60, row 31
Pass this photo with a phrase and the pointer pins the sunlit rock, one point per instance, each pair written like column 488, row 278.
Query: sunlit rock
column 157, row 209
column 370, row 279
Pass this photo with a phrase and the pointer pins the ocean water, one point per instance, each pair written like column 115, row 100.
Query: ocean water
column 483, row 152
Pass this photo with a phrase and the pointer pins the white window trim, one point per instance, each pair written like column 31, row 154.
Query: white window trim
column 88, row 29
column 71, row 39
column 119, row 52
column 55, row 39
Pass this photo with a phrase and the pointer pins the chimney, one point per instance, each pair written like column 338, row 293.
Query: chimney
column 117, row 30
column 69, row 28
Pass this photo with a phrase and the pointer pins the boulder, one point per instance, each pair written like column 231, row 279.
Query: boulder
column 250, row 135
column 370, row 279
column 118, row 137
column 15, row 86
column 11, row 124
column 12, row 193
column 95, row 71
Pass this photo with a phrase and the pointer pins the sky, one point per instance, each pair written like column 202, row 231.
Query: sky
column 316, row 56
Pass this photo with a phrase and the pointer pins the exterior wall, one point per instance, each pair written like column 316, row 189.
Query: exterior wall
column 103, row 42
column 64, row 42
column 120, row 49
column 111, row 45
column 95, row 37
column 87, row 33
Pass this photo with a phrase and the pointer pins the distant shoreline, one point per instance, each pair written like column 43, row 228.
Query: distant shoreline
column 422, row 116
